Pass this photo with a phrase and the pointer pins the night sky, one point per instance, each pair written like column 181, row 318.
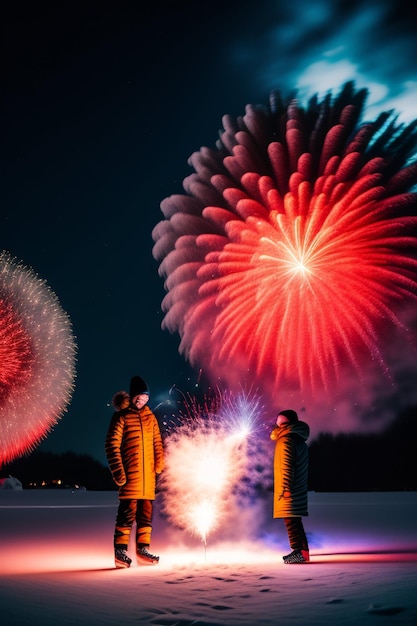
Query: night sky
column 101, row 109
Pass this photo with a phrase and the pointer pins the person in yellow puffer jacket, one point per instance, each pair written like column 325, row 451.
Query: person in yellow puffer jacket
column 135, row 456
column 291, row 481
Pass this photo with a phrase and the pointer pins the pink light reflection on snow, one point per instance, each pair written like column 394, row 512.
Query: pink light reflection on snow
column 59, row 556
column 60, row 532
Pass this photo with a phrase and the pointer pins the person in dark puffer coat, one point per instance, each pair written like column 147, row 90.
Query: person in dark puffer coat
column 291, row 481
column 135, row 455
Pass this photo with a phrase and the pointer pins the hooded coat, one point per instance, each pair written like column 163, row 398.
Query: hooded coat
column 134, row 449
column 290, row 469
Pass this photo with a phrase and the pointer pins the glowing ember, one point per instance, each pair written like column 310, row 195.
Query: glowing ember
column 37, row 357
column 291, row 259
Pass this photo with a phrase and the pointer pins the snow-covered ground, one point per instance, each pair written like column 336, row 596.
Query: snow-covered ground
column 57, row 565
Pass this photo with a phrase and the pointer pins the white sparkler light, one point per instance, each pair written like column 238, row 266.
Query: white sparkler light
column 205, row 460
column 240, row 413
column 204, row 517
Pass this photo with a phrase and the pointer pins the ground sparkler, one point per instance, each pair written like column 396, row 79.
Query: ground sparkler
column 205, row 460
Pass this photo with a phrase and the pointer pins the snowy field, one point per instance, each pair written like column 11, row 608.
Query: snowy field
column 57, row 565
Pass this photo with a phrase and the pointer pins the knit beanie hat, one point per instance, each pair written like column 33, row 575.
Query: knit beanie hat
column 137, row 387
column 290, row 415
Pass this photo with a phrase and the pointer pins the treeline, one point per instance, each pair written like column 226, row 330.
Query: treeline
column 382, row 462
column 59, row 471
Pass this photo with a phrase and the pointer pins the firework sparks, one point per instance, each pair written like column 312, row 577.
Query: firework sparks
column 205, row 459
column 291, row 257
column 37, row 359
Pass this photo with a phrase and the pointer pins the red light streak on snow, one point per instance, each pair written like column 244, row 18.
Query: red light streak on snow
column 365, row 557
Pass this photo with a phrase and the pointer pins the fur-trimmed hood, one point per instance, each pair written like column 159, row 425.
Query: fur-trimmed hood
column 298, row 428
column 121, row 400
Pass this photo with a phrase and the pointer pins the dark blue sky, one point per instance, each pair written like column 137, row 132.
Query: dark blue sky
column 100, row 111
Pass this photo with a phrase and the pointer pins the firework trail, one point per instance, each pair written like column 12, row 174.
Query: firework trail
column 206, row 458
column 291, row 258
column 37, row 359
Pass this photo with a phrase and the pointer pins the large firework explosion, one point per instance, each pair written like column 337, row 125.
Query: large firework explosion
column 292, row 255
column 37, row 359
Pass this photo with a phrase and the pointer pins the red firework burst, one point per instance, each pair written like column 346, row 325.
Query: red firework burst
column 293, row 250
column 37, row 359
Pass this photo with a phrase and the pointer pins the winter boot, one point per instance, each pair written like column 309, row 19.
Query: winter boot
column 146, row 558
column 297, row 556
column 121, row 559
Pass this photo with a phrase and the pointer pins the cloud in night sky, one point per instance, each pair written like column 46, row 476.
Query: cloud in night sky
column 314, row 48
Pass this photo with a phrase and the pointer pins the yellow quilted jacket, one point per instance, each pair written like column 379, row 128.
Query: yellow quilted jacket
column 134, row 450
column 290, row 469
